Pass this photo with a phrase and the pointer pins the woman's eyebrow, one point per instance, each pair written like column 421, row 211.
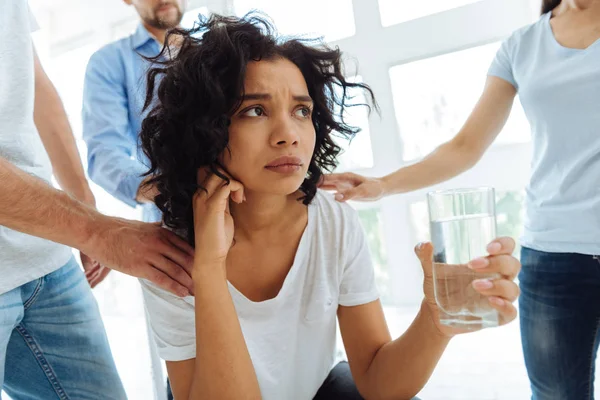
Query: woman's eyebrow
column 303, row 98
column 266, row 96
column 256, row 96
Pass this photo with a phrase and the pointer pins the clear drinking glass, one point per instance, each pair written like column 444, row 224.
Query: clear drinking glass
column 462, row 223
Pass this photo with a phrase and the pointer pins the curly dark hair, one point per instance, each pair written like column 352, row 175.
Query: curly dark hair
column 201, row 85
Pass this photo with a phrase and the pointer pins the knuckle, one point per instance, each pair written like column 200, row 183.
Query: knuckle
column 160, row 280
column 517, row 291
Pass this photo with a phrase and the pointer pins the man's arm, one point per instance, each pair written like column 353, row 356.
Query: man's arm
column 55, row 131
column 29, row 205
column 112, row 149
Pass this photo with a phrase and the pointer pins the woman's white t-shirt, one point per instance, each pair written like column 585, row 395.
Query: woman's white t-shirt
column 292, row 337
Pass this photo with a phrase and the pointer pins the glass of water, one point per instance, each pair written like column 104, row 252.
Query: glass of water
column 462, row 223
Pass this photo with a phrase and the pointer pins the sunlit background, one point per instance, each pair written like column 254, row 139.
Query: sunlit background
column 426, row 61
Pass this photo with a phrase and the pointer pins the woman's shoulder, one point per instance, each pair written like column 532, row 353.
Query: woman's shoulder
column 529, row 32
column 333, row 214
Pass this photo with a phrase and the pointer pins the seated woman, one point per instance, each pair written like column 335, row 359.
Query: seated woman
column 238, row 138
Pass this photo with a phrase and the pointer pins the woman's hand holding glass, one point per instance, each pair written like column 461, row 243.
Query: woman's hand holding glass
column 500, row 293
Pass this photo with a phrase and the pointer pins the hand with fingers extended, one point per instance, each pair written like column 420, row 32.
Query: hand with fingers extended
column 143, row 250
column 350, row 186
column 500, row 293
column 94, row 271
column 213, row 224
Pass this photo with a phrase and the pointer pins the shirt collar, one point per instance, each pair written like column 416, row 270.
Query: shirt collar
column 141, row 36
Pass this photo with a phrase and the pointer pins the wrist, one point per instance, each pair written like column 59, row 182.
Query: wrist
column 94, row 230
column 385, row 183
column 393, row 183
column 208, row 271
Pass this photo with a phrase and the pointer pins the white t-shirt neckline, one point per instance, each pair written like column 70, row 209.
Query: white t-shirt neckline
column 299, row 259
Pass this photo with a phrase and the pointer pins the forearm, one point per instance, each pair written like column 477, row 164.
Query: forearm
column 462, row 152
column 223, row 368
column 447, row 161
column 57, row 137
column 402, row 367
column 30, row 205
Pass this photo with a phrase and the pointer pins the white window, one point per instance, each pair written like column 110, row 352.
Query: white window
column 397, row 11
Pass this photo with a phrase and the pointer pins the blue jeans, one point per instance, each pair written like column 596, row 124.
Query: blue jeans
column 52, row 341
column 560, row 316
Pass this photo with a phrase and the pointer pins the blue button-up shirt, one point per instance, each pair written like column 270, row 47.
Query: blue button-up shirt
column 113, row 97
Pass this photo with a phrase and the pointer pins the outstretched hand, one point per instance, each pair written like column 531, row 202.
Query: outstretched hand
column 350, row 186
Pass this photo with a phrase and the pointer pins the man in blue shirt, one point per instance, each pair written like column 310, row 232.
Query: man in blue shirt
column 114, row 93
column 113, row 98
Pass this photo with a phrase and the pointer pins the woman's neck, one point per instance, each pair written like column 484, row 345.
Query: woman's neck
column 265, row 215
column 577, row 5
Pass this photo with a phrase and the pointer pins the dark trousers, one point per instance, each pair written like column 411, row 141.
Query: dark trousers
column 560, row 323
column 339, row 385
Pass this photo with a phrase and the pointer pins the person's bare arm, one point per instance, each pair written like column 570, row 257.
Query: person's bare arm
column 222, row 368
column 30, row 205
column 56, row 134
column 449, row 160
column 385, row 369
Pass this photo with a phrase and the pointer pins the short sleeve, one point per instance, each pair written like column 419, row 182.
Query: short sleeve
column 358, row 279
column 502, row 66
column 172, row 322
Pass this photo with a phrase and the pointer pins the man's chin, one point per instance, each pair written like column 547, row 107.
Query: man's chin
column 167, row 22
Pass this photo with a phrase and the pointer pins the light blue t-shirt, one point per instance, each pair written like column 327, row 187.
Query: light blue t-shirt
column 559, row 89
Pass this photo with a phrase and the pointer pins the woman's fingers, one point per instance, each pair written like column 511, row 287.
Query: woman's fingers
column 213, row 183
column 501, row 288
column 506, row 310
column 503, row 245
column 236, row 190
column 210, row 184
column 505, row 265
column 220, row 198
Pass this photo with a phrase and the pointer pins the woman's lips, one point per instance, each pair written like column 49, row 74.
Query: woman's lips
column 284, row 168
column 285, row 165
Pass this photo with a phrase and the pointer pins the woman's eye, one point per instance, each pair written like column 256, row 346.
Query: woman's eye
column 303, row 112
column 254, row 112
